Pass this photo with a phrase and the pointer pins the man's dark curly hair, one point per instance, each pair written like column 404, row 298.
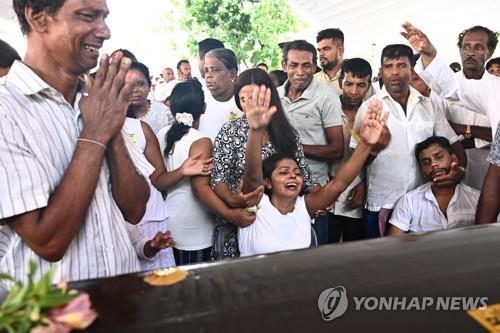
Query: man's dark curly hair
column 492, row 37
column 50, row 6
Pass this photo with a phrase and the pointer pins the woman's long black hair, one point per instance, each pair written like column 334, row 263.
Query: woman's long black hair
column 186, row 97
column 280, row 130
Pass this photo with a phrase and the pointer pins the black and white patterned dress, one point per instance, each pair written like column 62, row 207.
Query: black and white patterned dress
column 229, row 162
column 494, row 157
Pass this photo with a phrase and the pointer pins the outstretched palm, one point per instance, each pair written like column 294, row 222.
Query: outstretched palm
column 418, row 40
column 374, row 122
column 259, row 113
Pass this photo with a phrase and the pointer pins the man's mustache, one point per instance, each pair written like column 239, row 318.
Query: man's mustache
column 435, row 171
column 470, row 59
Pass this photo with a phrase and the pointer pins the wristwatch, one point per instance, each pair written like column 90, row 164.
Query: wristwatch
column 468, row 133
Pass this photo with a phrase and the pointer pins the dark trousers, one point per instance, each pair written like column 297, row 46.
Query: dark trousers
column 345, row 228
column 320, row 226
column 183, row 257
column 372, row 225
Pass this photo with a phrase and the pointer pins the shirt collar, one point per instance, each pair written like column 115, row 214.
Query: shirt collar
column 29, row 83
column 413, row 99
column 308, row 93
column 25, row 79
column 430, row 196
column 413, row 92
column 327, row 77
column 454, row 198
column 428, row 193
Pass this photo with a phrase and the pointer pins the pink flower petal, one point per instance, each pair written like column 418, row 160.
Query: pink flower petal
column 76, row 314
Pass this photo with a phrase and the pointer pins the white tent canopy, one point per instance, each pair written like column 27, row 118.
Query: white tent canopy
column 369, row 25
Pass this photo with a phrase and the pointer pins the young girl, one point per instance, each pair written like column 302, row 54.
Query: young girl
column 190, row 200
column 191, row 222
column 283, row 216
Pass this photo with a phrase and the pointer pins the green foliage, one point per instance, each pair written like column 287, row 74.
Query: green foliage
column 251, row 28
column 23, row 307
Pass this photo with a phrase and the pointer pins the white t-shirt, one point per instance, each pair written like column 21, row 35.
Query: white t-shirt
column 418, row 210
column 216, row 115
column 191, row 224
column 275, row 232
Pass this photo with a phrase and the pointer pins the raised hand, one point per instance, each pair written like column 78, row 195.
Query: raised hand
column 239, row 199
column 106, row 99
column 418, row 40
column 194, row 166
column 374, row 122
column 259, row 113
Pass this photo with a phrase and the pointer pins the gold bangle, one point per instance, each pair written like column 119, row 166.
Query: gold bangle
column 93, row 141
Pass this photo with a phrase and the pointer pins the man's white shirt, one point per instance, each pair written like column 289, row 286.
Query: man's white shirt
column 395, row 170
column 418, row 210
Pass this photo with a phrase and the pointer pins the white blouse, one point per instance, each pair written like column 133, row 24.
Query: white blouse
column 275, row 232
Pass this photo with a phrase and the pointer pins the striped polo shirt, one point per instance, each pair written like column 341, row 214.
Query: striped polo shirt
column 38, row 135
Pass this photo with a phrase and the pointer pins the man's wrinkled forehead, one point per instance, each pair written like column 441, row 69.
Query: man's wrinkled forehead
column 400, row 59
column 300, row 56
column 475, row 37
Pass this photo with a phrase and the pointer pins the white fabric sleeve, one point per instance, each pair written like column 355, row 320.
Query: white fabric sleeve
column 332, row 112
column 442, row 127
column 138, row 241
column 401, row 215
column 24, row 182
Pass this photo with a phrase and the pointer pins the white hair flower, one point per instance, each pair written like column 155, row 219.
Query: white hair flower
column 184, row 118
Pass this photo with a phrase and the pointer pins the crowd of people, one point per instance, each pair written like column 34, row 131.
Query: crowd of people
column 108, row 170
